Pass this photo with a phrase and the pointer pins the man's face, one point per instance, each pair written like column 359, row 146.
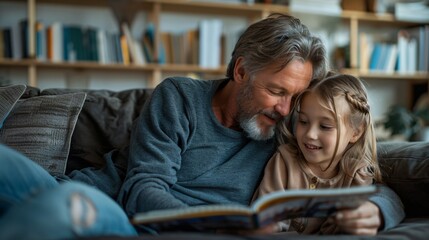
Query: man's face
column 265, row 98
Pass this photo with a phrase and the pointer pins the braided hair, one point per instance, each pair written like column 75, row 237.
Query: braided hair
column 329, row 89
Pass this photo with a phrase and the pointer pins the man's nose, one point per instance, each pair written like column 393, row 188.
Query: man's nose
column 283, row 106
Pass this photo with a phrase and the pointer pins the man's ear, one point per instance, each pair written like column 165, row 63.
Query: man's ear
column 239, row 72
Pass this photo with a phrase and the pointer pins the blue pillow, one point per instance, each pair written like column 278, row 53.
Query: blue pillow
column 8, row 97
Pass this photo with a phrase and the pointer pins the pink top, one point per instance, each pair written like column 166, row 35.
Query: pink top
column 284, row 171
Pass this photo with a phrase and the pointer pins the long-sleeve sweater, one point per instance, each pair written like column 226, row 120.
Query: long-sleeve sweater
column 180, row 154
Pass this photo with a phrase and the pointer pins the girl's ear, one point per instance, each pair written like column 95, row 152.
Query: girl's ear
column 357, row 133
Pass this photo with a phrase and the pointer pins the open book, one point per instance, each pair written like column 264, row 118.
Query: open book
column 268, row 209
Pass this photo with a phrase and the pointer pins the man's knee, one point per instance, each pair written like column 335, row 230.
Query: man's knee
column 82, row 210
column 91, row 210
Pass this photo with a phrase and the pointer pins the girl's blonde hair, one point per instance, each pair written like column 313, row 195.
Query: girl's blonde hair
column 359, row 117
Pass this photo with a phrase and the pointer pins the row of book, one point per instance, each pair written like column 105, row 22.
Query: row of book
column 409, row 53
column 204, row 46
column 62, row 43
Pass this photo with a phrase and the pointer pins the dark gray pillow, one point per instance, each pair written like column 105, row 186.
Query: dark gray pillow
column 8, row 97
column 41, row 128
column 405, row 169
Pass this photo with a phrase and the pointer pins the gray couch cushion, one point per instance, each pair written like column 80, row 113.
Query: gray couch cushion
column 41, row 128
column 405, row 168
column 8, row 97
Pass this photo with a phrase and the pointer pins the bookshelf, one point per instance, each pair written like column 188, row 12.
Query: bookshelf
column 154, row 9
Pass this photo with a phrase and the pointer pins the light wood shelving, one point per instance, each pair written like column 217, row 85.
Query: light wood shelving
column 154, row 8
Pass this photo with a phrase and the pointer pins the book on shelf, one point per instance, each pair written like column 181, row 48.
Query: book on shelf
column 166, row 45
column 126, row 60
column 266, row 210
column 209, row 42
column 407, row 52
column 57, row 42
column 24, row 35
column 366, row 46
column 420, row 34
column 135, row 49
column 329, row 7
column 40, row 41
column 413, row 11
column 7, row 43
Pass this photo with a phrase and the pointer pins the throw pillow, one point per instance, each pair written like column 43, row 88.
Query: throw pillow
column 8, row 97
column 41, row 128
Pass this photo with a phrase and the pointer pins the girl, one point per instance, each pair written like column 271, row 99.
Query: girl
column 327, row 142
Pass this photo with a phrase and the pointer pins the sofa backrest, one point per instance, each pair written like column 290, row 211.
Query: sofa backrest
column 104, row 124
column 107, row 117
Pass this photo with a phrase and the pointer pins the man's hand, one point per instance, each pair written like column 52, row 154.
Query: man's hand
column 364, row 220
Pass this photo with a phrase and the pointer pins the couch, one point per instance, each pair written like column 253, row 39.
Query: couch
column 90, row 123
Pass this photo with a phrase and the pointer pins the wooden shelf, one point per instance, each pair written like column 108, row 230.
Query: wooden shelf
column 194, row 7
column 95, row 66
column 184, row 68
column 114, row 67
column 250, row 11
column 15, row 63
column 76, row 2
column 191, row 68
column 415, row 77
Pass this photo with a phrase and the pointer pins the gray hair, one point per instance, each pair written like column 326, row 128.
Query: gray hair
column 278, row 39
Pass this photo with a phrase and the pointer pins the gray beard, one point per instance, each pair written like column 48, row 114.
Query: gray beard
column 250, row 126
column 247, row 116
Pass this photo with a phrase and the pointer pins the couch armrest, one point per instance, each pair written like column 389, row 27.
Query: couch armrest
column 405, row 169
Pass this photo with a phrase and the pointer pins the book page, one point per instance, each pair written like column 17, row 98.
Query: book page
column 308, row 203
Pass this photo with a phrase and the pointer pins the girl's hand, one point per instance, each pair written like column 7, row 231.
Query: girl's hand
column 364, row 220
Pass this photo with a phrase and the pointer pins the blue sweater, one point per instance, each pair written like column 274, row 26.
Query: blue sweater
column 180, row 154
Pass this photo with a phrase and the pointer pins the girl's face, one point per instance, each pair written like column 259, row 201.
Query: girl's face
column 316, row 133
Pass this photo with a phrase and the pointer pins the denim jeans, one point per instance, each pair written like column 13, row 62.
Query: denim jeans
column 33, row 205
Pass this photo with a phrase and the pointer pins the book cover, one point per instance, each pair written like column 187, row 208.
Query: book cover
column 124, row 50
column 268, row 209
column 40, row 41
column 366, row 46
column 23, row 28
column 403, row 38
column 375, row 56
column 7, row 43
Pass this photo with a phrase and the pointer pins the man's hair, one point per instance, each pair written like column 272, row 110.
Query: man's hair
column 278, row 39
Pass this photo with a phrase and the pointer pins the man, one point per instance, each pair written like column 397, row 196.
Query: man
column 207, row 142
